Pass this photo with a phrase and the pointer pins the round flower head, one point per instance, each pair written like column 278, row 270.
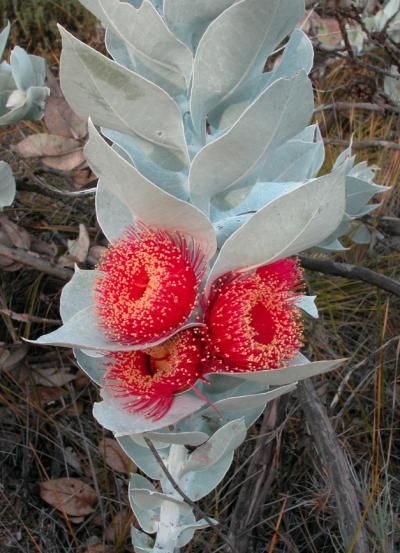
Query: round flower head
column 149, row 379
column 252, row 319
column 147, row 285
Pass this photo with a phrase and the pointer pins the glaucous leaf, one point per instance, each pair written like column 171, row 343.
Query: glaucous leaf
column 173, row 182
column 3, row 38
column 111, row 414
column 307, row 304
column 143, row 457
column 24, row 105
column 297, row 221
column 7, row 185
column 278, row 114
column 264, row 23
column 120, row 99
column 77, row 294
column 146, row 202
column 224, row 441
column 287, row 375
column 188, row 22
column 297, row 56
column 142, row 543
column 294, row 160
column 93, row 367
column 157, row 54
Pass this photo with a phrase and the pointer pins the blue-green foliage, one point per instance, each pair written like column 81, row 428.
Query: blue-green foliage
column 22, row 91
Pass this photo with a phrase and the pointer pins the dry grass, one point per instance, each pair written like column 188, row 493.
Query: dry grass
column 42, row 436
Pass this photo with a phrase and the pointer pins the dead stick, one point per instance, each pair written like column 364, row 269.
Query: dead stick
column 364, row 144
column 352, row 272
column 337, row 468
column 36, row 262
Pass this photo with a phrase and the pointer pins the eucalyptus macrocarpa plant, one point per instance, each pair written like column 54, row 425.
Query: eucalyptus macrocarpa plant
column 22, row 96
column 191, row 323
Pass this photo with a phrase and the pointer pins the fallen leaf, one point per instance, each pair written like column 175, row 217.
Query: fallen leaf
column 67, row 162
column 82, row 177
column 9, row 359
column 99, row 548
column 43, row 144
column 115, row 457
column 119, row 529
column 69, row 495
column 95, row 254
column 53, row 377
column 11, row 235
column 49, row 395
column 77, row 249
column 61, row 120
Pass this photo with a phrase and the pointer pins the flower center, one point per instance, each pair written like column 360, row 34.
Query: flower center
column 147, row 285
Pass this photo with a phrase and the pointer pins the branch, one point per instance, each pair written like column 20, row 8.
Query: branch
column 380, row 108
column 374, row 143
column 353, row 272
column 196, row 508
column 36, row 262
column 337, row 468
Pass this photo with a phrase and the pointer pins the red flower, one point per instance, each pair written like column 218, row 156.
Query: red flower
column 252, row 320
column 149, row 379
column 148, row 285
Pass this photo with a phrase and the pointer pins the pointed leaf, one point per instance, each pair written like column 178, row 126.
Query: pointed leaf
column 278, row 114
column 117, row 98
column 93, row 367
column 3, row 38
column 297, row 220
column 7, row 185
column 188, row 22
column 224, row 441
column 111, row 414
column 147, row 202
column 156, row 52
column 297, row 56
column 264, row 23
column 288, row 375
column 77, row 294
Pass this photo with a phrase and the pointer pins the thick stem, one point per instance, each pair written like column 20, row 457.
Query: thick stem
column 169, row 514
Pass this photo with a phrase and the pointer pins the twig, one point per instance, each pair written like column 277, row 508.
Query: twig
column 196, row 508
column 42, row 187
column 374, row 143
column 357, row 105
column 36, row 262
column 371, row 67
column 27, row 318
column 337, row 468
column 353, row 272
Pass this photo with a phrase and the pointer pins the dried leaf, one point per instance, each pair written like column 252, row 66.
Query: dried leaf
column 66, row 162
column 83, row 177
column 99, row 548
column 10, row 359
column 95, row 254
column 42, row 144
column 13, row 235
column 119, row 529
column 69, row 495
column 77, row 249
column 61, row 120
column 53, row 377
column 115, row 457
column 49, row 395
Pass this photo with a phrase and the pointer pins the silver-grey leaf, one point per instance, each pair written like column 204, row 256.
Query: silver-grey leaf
column 119, row 99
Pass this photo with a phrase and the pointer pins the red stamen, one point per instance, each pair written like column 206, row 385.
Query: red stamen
column 252, row 318
column 148, row 284
column 149, row 379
